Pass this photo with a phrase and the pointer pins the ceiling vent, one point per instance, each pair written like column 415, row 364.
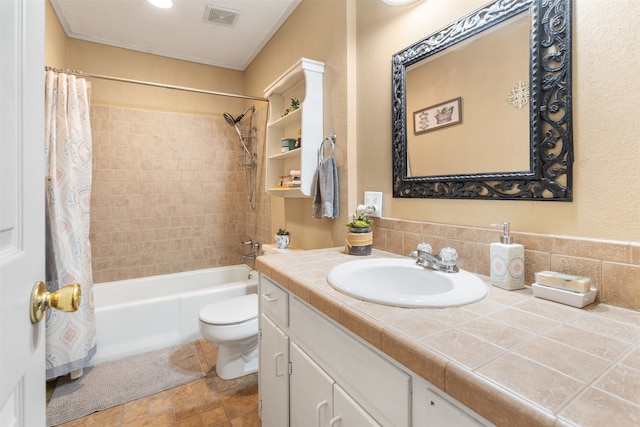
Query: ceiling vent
column 217, row 15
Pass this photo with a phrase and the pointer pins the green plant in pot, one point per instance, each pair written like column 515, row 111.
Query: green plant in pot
column 360, row 222
column 359, row 240
column 282, row 238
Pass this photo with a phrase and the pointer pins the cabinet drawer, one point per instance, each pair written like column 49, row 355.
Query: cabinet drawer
column 274, row 301
column 380, row 387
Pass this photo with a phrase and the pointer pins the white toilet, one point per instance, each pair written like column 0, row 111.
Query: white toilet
column 232, row 324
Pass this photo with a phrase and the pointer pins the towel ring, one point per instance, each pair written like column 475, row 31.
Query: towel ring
column 330, row 139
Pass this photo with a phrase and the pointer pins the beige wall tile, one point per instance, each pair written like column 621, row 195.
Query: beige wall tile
column 155, row 187
column 592, row 258
column 621, row 285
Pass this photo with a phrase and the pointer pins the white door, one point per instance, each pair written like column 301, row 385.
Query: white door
column 273, row 374
column 311, row 391
column 347, row 412
column 22, row 360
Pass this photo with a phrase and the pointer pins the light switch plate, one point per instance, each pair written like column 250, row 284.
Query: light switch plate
column 374, row 198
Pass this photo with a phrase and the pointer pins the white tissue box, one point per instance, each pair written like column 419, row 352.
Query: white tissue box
column 575, row 299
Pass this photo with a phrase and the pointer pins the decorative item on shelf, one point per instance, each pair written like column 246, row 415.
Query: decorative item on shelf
column 360, row 237
column 298, row 143
column 295, row 178
column 285, row 181
column 282, row 238
column 287, row 144
column 295, row 104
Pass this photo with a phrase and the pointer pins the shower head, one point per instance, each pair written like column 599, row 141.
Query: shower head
column 229, row 118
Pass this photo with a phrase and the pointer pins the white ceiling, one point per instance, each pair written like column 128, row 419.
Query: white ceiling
column 182, row 32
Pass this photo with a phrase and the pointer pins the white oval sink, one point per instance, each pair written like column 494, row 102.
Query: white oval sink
column 402, row 283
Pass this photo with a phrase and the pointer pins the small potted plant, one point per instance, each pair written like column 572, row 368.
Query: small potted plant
column 282, row 238
column 360, row 237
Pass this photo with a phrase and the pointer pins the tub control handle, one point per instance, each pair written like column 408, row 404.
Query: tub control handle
column 319, row 407
column 275, row 359
column 269, row 298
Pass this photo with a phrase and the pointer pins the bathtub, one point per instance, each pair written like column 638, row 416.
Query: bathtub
column 138, row 315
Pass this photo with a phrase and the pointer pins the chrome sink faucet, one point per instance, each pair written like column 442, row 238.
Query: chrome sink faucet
column 445, row 262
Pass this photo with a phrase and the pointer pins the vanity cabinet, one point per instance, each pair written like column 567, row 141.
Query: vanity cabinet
column 303, row 81
column 274, row 374
column 273, row 356
column 316, row 399
column 313, row 372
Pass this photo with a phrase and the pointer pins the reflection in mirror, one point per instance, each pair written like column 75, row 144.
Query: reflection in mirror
column 482, row 108
column 483, row 72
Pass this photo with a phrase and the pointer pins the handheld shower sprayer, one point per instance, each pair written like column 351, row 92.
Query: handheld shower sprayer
column 234, row 122
column 249, row 161
column 229, row 118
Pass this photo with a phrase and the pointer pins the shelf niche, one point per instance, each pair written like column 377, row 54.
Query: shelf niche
column 304, row 82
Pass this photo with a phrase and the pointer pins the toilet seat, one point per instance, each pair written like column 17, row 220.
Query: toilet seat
column 231, row 311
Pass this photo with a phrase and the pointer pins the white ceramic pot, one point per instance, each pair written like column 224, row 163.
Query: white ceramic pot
column 282, row 241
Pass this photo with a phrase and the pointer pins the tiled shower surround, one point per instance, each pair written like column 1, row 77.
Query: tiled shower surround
column 168, row 193
column 614, row 267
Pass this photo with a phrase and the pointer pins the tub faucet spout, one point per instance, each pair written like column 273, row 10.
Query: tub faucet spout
column 248, row 256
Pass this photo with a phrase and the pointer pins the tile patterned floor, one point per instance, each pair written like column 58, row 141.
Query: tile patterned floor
column 207, row 402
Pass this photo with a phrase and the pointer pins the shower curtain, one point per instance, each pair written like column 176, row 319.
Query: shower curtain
column 70, row 337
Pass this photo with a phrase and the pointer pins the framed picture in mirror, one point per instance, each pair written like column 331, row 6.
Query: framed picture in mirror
column 440, row 115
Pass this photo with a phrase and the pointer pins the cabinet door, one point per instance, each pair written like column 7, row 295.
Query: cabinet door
column 347, row 412
column 441, row 412
column 273, row 374
column 311, row 391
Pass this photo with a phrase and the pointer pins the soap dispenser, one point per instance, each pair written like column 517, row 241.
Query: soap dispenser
column 507, row 261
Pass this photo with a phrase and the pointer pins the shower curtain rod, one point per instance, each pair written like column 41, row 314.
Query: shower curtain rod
column 162, row 85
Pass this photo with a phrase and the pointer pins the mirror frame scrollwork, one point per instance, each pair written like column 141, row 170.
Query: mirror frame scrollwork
column 551, row 131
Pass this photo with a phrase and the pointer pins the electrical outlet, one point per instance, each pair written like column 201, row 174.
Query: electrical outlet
column 374, row 198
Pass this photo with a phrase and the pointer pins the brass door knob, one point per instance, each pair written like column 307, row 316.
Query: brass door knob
column 64, row 299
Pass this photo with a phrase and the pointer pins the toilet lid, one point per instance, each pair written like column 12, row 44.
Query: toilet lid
column 230, row 311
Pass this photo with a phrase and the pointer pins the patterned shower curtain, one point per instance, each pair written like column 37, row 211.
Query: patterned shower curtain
column 70, row 337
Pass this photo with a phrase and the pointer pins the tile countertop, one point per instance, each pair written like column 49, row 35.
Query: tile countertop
column 513, row 358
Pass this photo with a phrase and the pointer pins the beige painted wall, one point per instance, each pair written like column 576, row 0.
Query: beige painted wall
column 493, row 135
column 168, row 192
column 95, row 58
column 607, row 154
column 55, row 54
column 106, row 60
column 357, row 38
column 315, row 30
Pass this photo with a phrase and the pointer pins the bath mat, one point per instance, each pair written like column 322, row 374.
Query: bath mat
column 120, row 381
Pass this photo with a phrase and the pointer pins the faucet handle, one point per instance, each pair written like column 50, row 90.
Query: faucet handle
column 449, row 256
column 425, row 247
column 247, row 242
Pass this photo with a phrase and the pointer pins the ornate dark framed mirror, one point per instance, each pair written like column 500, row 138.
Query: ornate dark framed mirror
column 481, row 109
